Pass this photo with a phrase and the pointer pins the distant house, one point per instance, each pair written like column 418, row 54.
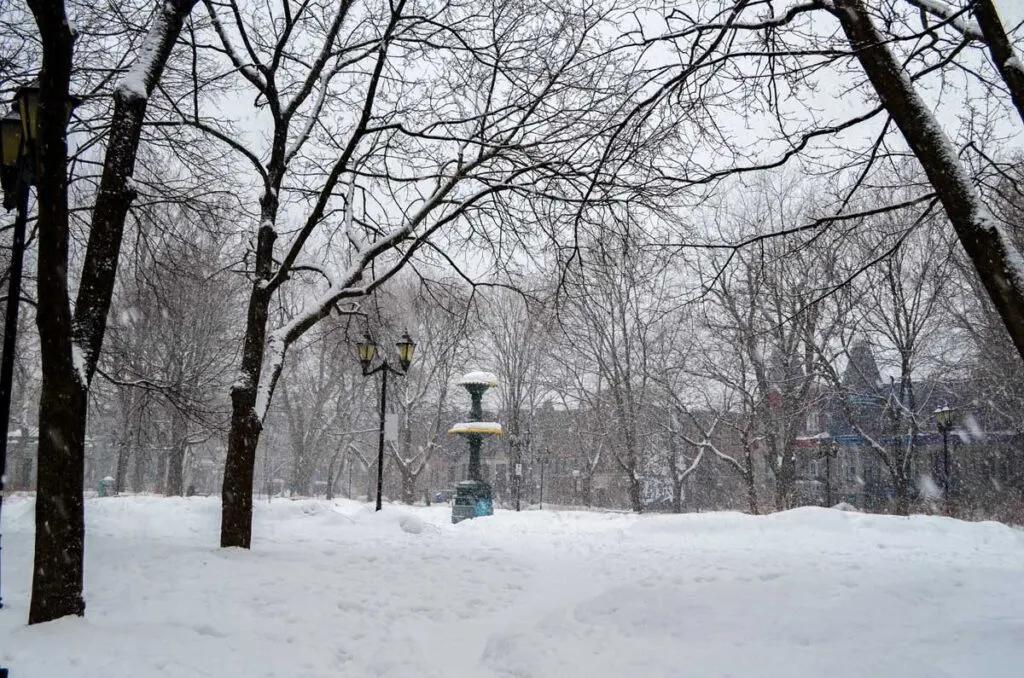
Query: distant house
column 835, row 458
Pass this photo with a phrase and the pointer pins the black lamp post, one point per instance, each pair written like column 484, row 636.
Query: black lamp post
column 945, row 417
column 543, row 460
column 831, row 450
column 367, row 352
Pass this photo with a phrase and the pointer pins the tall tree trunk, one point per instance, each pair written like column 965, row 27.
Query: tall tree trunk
column 236, row 492
column 176, row 455
column 994, row 257
column 751, row 493
column 60, row 525
column 677, row 496
column 244, row 435
column 409, row 476
column 902, row 488
column 70, row 346
column 302, row 472
column 785, row 472
column 123, row 458
column 140, row 469
column 636, row 500
column 1001, row 50
column 334, row 471
column 408, row 487
column 124, row 443
column 161, row 471
column 57, row 575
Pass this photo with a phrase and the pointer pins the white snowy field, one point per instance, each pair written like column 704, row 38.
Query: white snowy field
column 332, row 589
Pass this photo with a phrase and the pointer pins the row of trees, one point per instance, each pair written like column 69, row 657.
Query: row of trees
column 647, row 368
column 425, row 136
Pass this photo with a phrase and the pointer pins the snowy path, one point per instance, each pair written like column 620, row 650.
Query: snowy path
column 335, row 590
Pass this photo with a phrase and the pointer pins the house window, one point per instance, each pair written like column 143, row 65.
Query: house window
column 849, row 469
column 814, row 470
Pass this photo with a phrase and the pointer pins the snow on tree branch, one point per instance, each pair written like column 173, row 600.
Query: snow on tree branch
column 138, row 81
column 953, row 16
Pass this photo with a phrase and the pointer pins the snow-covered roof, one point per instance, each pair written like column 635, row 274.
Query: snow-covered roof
column 490, row 427
column 824, row 435
column 486, row 378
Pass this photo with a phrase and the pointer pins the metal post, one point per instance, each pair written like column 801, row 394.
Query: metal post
column 380, row 441
column 542, row 460
column 828, row 478
column 516, row 480
column 11, row 331
column 474, row 456
column 476, row 413
column 945, row 468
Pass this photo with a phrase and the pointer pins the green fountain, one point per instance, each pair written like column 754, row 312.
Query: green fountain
column 473, row 497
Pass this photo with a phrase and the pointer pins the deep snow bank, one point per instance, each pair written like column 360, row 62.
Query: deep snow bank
column 335, row 589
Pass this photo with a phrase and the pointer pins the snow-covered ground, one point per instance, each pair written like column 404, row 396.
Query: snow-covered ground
column 332, row 589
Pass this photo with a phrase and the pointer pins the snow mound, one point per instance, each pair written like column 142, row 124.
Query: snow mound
column 334, row 588
column 411, row 524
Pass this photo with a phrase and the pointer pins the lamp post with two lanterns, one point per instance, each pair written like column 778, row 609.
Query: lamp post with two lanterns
column 19, row 130
column 367, row 351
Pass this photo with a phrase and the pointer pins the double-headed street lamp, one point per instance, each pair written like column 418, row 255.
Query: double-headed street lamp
column 367, row 352
column 19, row 130
column 945, row 417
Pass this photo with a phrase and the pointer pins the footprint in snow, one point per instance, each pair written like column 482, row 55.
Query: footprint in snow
column 207, row 630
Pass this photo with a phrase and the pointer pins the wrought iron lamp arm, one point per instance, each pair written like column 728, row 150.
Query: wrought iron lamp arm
column 384, row 365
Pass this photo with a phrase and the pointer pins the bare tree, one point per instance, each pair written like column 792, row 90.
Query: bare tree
column 172, row 332
column 71, row 342
column 767, row 308
column 616, row 311
column 435, row 314
column 996, row 259
column 437, row 154
column 517, row 330
column 586, row 434
column 316, row 400
column 897, row 308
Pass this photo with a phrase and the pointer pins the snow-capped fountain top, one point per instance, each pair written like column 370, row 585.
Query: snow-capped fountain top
column 486, row 427
column 485, row 378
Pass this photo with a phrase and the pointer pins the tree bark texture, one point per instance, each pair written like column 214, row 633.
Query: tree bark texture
column 1001, row 50
column 123, row 458
column 636, row 501
column 244, row 435
column 902, row 489
column 176, row 455
column 60, row 525
column 751, row 481
column 70, row 345
column 992, row 256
